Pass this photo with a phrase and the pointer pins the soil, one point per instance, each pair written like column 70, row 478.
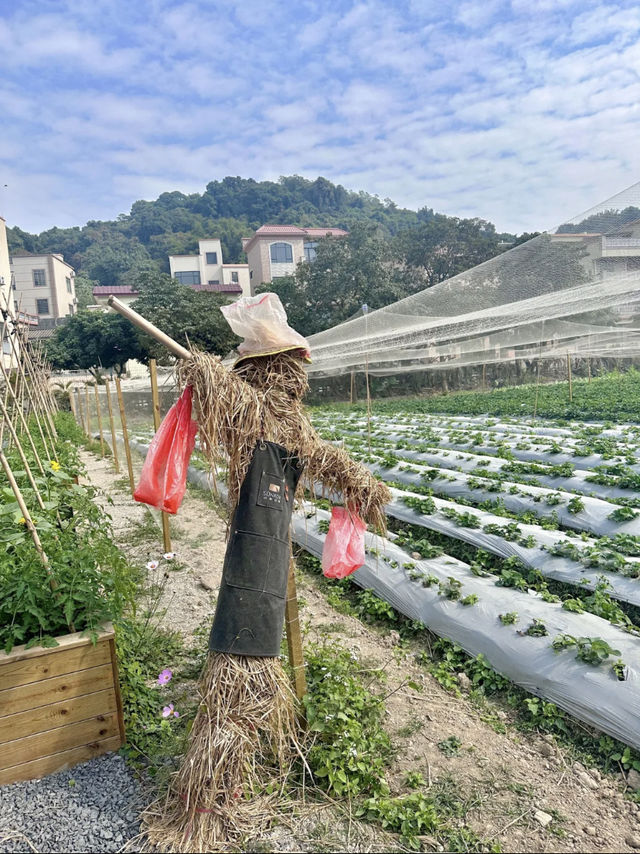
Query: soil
column 508, row 784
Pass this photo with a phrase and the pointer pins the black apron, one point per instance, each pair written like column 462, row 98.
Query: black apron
column 250, row 611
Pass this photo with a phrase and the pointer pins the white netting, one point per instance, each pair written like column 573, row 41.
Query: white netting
column 575, row 289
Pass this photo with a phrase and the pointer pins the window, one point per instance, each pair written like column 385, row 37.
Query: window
column 281, row 252
column 310, row 251
column 214, row 281
column 42, row 306
column 212, row 257
column 15, row 304
column 39, row 279
column 71, row 308
column 68, row 281
column 251, row 274
column 188, row 277
column 234, row 278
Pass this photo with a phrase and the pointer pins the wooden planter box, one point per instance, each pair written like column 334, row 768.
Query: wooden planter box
column 58, row 706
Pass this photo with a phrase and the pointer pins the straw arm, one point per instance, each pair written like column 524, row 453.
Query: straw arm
column 143, row 324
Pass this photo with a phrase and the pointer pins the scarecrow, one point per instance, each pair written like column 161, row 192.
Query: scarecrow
column 251, row 417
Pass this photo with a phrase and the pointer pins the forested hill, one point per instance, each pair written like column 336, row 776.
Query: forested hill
column 111, row 252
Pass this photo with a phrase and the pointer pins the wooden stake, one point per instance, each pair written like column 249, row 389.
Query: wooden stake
column 155, row 399
column 80, row 413
column 99, row 414
column 294, row 635
column 353, row 382
column 570, row 379
column 589, row 368
column 484, row 377
column 72, row 405
column 87, row 411
column 116, row 463
column 125, row 435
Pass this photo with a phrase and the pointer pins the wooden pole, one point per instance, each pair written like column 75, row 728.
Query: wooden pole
column 294, row 635
column 155, row 399
column 116, row 463
column 484, row 377
column 353, row 382
column 99, row 414
column 589, row 368
column 569, row 377
column 87, row 410
column 82, row 422
column 72, row 405
column 535, row 405
column 125, row 435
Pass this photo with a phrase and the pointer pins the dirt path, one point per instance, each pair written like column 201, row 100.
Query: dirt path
column 522, row 791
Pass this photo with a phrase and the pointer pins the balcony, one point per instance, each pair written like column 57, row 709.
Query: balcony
column 620, row 247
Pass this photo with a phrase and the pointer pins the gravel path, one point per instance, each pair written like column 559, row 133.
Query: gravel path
column 90, row 807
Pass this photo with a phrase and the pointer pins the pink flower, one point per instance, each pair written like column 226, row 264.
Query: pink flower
column 165, row 676
column 153, row 564
column 169, row 711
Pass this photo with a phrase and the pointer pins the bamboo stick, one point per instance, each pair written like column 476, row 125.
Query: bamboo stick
column 569, row 377
column 116, row 462
column 139, row 321
column 88, row 414
column 294, row 635
column 155, row 399
column 72, row 405
column 125, row 435
column 99, row 414
column 80, row 412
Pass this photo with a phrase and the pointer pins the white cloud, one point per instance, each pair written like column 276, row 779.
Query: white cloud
column 518, row 112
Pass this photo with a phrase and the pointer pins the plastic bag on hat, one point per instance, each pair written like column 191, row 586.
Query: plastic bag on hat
column 163, row 480
column 262, row 322
column 343, row 550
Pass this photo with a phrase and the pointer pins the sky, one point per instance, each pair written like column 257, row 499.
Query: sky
column 522, row 112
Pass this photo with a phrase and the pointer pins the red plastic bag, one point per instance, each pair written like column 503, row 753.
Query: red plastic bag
column 164, row 474
column 343, row 550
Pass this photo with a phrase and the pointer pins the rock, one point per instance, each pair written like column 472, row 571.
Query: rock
column 394, row 638
column 632, row 841
column 416, row 555
column 545, row 750
column 543, row 818
column 587, row 780
column 589, row 830
column 633, row 780
column 208, row 582
column 463, row 681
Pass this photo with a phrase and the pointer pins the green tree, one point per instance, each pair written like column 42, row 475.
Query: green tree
column 443, row 246
column 94, row 341
column 192, row 318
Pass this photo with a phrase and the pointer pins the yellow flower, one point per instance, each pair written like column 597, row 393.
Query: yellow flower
column 55, row 465
column 22, row 521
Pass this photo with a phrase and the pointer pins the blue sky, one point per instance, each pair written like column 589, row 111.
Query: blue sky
column 523, row 112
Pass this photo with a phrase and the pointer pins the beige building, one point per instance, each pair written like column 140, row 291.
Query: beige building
column 206, row 271
column 276, row 250
column 43, row 285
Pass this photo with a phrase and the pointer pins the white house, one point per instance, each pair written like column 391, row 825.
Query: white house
column 206, row 271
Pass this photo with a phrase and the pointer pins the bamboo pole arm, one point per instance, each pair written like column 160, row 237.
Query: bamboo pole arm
column 139, row 321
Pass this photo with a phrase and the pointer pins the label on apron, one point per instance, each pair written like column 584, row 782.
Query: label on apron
column 271, row 492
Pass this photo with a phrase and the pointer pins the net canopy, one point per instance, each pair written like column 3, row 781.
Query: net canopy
column 572, row 290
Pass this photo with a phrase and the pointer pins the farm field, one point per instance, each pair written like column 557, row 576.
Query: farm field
column 516, row 538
